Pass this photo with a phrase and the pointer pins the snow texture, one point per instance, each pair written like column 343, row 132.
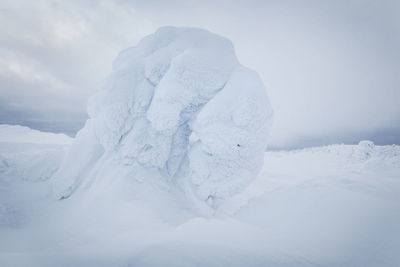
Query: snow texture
column 181, row 103
column 321, row 206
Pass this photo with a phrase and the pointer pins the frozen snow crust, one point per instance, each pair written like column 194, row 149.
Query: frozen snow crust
column 179, row 103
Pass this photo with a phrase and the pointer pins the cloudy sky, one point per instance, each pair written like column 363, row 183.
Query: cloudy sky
column 331, row 68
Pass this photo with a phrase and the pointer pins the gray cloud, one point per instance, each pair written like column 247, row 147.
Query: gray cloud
column 331, row 67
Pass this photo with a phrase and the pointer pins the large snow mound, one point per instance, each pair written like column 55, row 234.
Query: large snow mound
column 179, row 103
column 23, row 134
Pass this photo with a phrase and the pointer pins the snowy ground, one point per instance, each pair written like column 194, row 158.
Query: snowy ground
column 326, row 206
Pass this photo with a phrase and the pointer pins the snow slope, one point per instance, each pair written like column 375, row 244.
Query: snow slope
column 325, row 206
column 22, row 134
column 178, row 106
column 42, row 152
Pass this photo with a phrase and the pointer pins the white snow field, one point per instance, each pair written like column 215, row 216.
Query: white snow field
column 326, row 206
column 171, row 170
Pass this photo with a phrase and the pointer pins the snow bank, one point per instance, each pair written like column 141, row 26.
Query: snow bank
column 181, row 103
column 28, row 154
column 22, row 134
column 35, row 165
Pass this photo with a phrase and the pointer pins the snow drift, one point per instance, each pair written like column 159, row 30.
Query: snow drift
column 23, row 134
column 42, row 153
column 180, row 106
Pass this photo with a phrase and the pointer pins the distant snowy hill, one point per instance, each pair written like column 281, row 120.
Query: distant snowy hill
column 22, row 134
column 30, row 154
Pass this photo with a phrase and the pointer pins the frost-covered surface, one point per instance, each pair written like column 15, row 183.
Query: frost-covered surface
column 178, row 106
column 326, row 206
column 23, row 134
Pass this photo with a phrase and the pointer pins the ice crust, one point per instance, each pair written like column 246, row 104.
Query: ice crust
column 181, row 103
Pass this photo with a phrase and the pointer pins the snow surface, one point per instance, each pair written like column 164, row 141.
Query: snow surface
column 41, row 157
column 22, row 134
column 325, row 206
column 178, row 106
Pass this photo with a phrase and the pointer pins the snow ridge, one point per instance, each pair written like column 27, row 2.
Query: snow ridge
column 23, row 134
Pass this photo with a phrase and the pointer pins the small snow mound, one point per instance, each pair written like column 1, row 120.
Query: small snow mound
column 179, row 102
column 366, row 144
column 365, row 149
column 22, row 134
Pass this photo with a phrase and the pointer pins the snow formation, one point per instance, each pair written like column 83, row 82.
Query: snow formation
column 179, row 103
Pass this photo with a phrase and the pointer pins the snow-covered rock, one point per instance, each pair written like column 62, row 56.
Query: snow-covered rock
column 181, row 103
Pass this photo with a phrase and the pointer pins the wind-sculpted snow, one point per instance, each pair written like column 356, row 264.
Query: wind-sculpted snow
column 181, row 103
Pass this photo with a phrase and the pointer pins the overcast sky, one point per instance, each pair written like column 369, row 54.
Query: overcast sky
column 331, row 68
